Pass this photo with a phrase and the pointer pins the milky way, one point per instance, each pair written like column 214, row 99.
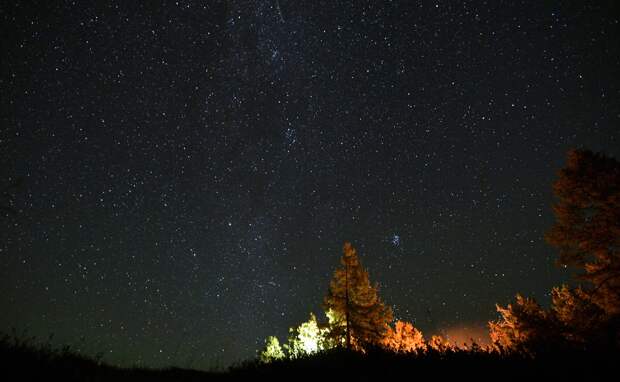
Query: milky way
column 190, row 170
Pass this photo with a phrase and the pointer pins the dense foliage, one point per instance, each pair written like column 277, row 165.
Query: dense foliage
column 587, row 234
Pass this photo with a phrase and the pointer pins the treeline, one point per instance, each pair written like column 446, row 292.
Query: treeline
column 581, row 318
column 587, row 234
column 578, row 336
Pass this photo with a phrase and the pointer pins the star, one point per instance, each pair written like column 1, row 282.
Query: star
column 395, row 240
column 212, row 147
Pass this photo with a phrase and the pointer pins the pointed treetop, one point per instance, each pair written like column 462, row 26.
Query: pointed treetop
column 349, row 257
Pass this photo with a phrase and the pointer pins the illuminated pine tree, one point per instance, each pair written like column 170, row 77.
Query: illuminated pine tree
column 362, row 317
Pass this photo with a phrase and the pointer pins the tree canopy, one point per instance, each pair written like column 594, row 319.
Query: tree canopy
column 587, row 234
column 580, row 317
column 364, row 318
column 587, row 226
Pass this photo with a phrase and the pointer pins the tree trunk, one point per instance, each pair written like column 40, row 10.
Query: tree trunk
column 346, row 296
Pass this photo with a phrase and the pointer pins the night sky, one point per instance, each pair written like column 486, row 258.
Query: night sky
column 190, row 170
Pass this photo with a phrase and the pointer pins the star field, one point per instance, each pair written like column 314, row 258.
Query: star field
column 189, row 170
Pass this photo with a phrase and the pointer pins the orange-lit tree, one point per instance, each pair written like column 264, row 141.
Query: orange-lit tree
column 579, row 320
column 587, row 226
column 439, row 344
column 522, row 325
column 403, row 338
column 587, row 233
column 362, row 317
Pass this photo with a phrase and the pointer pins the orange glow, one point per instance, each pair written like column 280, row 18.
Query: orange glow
column 466, row 335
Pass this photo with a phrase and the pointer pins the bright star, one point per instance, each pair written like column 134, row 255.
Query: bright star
column 395, row 240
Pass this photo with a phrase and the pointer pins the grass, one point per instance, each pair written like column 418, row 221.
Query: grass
column 459, row 364
column 25, row 360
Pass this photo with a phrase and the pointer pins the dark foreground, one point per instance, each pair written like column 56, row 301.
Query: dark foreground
column 22, row 362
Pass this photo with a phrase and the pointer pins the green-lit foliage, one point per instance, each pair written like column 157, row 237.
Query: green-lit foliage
column 305, row 339
column 272, row 351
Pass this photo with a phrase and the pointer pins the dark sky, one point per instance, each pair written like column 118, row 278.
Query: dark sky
column 190, row 170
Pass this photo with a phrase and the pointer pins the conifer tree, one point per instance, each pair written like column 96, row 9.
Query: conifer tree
column 587, row 227
column 363, row 317
column 587, row 233
column 523, row 325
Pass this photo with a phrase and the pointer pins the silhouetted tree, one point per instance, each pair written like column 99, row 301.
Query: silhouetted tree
column 587, row 227
column 359, row 315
